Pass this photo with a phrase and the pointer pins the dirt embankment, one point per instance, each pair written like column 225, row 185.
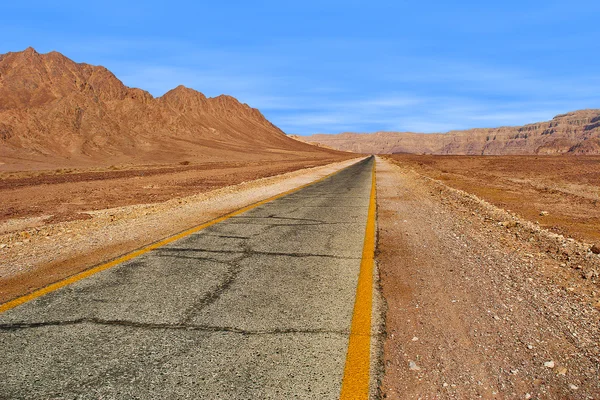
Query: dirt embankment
column 562, row 193
column 54, row 226
column 481, row 303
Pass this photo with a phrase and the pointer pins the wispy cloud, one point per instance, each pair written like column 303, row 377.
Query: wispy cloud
column 306, row 86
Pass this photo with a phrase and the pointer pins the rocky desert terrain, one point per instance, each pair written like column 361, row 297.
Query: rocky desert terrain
column 575, row 133
column 559, row 193
column 480, row 303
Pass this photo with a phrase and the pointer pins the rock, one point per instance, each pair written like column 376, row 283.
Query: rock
column 544, row 213
column 413, row 366
column 527, row 395
column 595, row 249
column 589, row 275
column 561, row 371
column 573, row 387
column 414, row 339
column 549, row 364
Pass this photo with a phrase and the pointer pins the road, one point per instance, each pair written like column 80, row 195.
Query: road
column 259, row 305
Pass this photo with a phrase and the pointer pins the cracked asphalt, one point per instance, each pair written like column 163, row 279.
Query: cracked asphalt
column 257, row 306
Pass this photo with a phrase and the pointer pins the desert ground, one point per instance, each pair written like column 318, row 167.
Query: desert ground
column 562, row 193
column 480, row 302
column 67, row 193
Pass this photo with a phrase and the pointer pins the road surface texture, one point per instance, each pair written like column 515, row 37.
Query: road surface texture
column 258, row 306
column 478, row 305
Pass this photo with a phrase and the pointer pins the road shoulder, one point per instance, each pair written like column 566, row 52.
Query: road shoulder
column 474, row 307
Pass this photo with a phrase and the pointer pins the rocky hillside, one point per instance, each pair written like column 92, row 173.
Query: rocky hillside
column 55, row 110
column 572, row 133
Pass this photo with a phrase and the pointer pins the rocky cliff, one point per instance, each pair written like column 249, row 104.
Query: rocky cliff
column 576, row 132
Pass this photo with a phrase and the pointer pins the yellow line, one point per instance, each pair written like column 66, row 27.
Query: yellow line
column 355, row 384
column 94, row 270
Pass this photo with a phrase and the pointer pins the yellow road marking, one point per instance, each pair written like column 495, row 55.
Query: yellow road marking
column 355, row 383
column 94, row 270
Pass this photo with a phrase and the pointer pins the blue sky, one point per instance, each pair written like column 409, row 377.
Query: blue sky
column 319, row 66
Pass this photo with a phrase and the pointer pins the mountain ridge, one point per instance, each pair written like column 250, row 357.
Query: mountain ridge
column 576, row 132
column 57, row 110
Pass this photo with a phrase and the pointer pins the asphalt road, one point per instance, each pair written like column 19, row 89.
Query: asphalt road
column 258, row 306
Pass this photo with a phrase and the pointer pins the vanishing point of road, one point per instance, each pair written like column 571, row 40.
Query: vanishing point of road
column 273, row 301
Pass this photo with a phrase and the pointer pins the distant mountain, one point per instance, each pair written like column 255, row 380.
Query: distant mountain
column 576, row 132
column 52, row 108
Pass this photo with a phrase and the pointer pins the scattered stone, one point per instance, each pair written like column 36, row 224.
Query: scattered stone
column 413, row 366
column 549, row 364
column 527, row 395
column 514, row 371
column 561, row 371
column 508, row 224
column 544, row 213
column 414, row 339
column 589, row 275
column 2, row 245
column 573, row 387
column 529, row 346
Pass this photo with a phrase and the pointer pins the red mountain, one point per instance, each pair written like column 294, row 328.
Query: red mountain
column 56, row 111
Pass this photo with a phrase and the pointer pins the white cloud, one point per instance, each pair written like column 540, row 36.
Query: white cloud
column 391, row 92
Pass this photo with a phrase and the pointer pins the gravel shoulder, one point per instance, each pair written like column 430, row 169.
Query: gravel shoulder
column 45, row 252
column 562, row 193
column 481, row 303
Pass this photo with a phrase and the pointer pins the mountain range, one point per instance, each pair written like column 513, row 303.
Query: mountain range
column 575, row 133
column 56, row 111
